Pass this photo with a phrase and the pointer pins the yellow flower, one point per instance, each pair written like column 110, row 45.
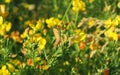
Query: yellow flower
column 78, row 5
column 91, row 22
column 42, row 43
column 1, row 20
column 2, row 31
column 37, row 59
column 8, row 26
column 66, row 63
column 32, row 26
column 38, row 26
column 93, row 46
column 11, row 68
column 0, row 72
column 23, row 35
column 44, row 67
column 51, row 22
column 16, row 62
column 8, row 1
column 79, row 36
column 118, row 18
column 37, row 37
column 116, row 21
column 108, row 23
column 31, row 32
column 4, row 70
column 111, row 34
column 3, row 67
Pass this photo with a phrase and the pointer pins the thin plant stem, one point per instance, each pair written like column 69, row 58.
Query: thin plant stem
column 67, row 10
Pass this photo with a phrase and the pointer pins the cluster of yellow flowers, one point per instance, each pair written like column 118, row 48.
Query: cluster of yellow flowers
column 4, row 26
column 32, row 33
column 51, row 22
column 4, row 70
column 7, row 69
column 111, row 34
column 112, row 22
column 78, row 5
column 41, row 41
column 111, row 26
column 34, row 28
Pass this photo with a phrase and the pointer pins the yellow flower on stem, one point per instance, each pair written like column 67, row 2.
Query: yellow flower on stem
column 79, row 36
column 51, row 22
column 111, row 34
column 78, row 5
column 8, row 1
column 91, row 22
column 44, row 67
column 42, row 43
column 108, row 23
column 11, row 68
column 0, row 72
column 4, row 70
column 8, row 26
column 1, row 20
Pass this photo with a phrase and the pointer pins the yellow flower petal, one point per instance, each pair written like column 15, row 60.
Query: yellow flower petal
column 1, row 20
column 8, row 27
column 11, row 68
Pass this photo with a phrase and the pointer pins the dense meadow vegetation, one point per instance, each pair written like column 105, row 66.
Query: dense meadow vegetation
column 59, row 37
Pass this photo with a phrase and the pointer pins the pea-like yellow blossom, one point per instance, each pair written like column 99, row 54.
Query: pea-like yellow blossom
column 8, row 26
column 5, row 27
column 37, row 59
column 8, row 1
column 108, row 23
column 1, row 20
column 79, row 36
column 4, row 70
column 91, row 22
column 111, row 34
column 38, row 26
column 11, row 68
column 44, row 67
column 42, row 43
column 112, row 22
column 0, row 72
column 78, row 5
column 51, row 22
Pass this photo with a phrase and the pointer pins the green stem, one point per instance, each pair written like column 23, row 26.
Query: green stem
column 76, row 18
column 67, row 10
column 55, row 4
column 67, row 18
